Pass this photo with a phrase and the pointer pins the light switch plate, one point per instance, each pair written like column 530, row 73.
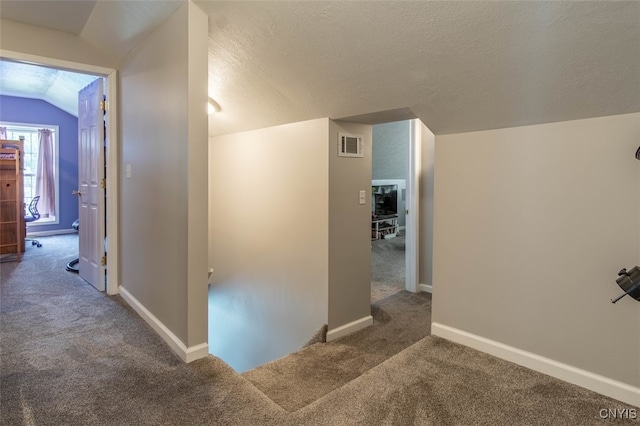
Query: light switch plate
column 363, row 197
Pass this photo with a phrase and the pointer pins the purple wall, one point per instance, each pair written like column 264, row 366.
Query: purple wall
column 35, row 111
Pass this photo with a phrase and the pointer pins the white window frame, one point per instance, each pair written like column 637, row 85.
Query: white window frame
column 56, row 142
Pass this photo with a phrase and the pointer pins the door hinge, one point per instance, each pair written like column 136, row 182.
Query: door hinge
column 103, row 105
column 103, row 184
column 103, row 260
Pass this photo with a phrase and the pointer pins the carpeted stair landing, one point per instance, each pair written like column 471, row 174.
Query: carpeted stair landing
column 298, row 379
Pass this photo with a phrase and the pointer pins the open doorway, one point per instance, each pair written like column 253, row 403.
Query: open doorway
column 44, row 97
column 402, row 188
column 390, row 173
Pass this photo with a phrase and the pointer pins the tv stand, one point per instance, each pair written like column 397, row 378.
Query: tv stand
column 384, row 211
column 384, row 226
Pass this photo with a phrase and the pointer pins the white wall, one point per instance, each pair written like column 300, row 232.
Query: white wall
column 426, row 206
column 163, row 205
column 349, row 229
column 531, row 226
column 269, row 227
column 28, row 39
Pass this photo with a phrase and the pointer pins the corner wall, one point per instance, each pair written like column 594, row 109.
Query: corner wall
column 163, row 207
column 197, row 178
column 532, row 225
column 349, row 230
column 269, row 227
column 425, row 272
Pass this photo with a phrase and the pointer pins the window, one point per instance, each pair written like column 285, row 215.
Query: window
column 31, row 153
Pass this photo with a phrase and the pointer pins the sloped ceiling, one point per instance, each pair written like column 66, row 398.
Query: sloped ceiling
column 115, row 26
column 458, row 66
column 118, row 26
column 59, row 88
column 67, row 16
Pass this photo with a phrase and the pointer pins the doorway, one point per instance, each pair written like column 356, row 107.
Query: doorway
column 402, row 205
column 390, row 173
column 110, row 146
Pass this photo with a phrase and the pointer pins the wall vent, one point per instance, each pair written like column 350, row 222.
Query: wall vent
column 350, row 145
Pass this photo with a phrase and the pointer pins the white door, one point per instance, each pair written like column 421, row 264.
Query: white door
column 91, row 184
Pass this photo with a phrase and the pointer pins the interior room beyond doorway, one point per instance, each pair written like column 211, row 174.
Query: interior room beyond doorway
column 390, row 168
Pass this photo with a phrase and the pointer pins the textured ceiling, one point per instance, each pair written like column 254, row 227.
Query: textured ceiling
column 59, row 88
column 458, row 66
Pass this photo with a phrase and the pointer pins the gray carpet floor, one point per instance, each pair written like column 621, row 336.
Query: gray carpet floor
column 70, row 355
column 298, row 379
column 387, row 267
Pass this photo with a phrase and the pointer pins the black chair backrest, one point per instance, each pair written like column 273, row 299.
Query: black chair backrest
column 33, row 207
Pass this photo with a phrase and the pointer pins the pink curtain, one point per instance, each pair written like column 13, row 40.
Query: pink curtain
column 3, row 133
column 45, row 179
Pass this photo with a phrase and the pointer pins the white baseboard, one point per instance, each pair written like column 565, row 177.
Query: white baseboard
column 349, row 328
column 49, row 233
column 187, row 354
column 427, row 288
column 603, row 385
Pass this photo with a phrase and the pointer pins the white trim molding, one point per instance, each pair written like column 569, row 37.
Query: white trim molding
column 427, row 288
column 54, row 62
column 412, row 204
column 586, row 379
column 113, row 189
column 50, row 233
column 187, row 354
column 349, row 328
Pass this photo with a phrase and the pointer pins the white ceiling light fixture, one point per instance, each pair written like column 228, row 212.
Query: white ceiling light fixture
column 213, row 106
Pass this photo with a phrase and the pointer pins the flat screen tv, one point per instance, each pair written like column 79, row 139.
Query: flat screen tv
column 385, row 200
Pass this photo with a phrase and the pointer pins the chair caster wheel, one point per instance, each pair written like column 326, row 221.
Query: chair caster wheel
column 33, row 243
column 39, row 245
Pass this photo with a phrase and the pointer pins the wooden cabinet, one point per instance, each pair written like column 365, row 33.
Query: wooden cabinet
column 12, row 226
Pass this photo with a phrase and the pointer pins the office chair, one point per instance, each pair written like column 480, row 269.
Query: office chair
column 33, row 215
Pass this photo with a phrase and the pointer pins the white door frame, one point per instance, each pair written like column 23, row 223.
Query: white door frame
column 111, row 156
column 412, row 219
